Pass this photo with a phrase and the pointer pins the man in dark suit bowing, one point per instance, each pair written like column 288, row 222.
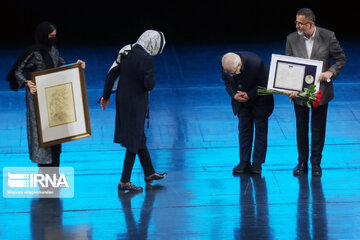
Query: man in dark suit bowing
column 243, row 72
column 321, row 44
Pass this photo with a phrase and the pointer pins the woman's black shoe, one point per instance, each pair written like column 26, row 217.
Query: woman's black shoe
column 130, row 187
column 155, row 176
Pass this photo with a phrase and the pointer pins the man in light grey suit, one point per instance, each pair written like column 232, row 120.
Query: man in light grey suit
column 321, row 44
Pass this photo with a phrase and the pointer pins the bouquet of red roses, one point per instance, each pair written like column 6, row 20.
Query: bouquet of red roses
column 309, row 96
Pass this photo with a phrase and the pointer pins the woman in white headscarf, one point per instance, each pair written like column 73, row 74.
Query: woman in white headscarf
column 135, row 66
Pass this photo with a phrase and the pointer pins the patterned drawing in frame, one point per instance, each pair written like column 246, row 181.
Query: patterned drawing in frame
column 60, row 104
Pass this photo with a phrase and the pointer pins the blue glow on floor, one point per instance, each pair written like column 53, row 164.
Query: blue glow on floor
column 192, row 136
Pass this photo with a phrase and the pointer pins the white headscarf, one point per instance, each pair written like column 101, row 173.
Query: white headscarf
column 153, row 43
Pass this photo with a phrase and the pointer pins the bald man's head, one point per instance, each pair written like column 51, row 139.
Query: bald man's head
column 231, row 63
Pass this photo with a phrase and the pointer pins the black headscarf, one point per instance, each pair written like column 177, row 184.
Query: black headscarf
column 42, row 34
column 42, row 44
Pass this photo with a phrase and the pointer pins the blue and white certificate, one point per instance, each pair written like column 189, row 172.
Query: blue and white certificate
column 293, row 74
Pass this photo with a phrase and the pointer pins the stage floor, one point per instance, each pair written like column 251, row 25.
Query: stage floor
column 193, row 136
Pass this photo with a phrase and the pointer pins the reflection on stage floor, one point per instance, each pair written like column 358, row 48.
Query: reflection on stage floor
column 192, row 136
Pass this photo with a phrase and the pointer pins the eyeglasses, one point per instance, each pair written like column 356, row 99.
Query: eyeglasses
column 300, row 23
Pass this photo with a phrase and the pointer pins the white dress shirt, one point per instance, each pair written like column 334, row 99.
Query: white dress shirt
column 309, row 43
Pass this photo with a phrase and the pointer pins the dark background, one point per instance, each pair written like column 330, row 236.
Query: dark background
column 105, row 21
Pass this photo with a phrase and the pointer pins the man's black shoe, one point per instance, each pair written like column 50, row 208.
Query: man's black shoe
column 300, row 169
column 316, row 171
column 129, row 187
column 242, row 167
column 256, row 168
column 155, row 176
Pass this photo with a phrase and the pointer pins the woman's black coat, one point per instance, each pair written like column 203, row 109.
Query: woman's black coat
column 136, row 80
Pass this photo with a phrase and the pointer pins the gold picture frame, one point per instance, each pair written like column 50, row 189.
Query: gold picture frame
column 61, row 105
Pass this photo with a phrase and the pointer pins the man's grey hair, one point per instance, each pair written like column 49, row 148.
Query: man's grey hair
column 231, row 60
column 308, row 13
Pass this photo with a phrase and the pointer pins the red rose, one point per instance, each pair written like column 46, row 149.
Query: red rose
column 315, row 104
column 317, row 99
column 319, row 95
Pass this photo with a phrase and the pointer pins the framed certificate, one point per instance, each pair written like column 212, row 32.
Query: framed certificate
column 61, row 106
column 293, row 74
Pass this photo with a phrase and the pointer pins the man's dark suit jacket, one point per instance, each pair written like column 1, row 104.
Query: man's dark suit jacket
column 253, row 74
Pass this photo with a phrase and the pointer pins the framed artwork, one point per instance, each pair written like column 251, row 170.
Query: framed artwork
column 61, row 105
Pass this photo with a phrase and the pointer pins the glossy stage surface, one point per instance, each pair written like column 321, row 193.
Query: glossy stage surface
column 192, row 136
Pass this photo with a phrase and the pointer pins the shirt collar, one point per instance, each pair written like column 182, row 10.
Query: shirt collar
column 312, row 36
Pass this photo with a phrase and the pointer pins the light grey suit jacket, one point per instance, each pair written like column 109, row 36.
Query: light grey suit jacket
column 325, row 48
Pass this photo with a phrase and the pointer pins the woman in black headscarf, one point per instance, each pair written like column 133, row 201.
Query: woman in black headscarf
column 42, row 55
column 135, row 66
